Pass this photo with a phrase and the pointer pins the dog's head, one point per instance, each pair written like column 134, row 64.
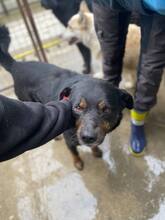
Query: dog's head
column 79, row 25
column 97, row 107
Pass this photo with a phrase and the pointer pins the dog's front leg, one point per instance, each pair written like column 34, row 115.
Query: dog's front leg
column 78, row 163
column 96, row 151
column 72, row 143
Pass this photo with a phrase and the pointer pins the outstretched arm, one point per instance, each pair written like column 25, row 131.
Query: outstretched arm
column 27, row 125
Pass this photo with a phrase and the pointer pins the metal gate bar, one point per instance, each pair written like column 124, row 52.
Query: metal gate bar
column 27, row 16
column 4, row 7
column 23, row 13
column 34, row 28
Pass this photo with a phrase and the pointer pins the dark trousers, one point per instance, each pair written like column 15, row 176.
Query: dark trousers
column 111, row 27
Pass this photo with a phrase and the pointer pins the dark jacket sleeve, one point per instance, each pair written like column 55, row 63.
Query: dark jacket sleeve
column 27, row 125
column 129, row 5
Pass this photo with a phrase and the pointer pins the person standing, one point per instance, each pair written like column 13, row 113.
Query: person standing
column 111, row 23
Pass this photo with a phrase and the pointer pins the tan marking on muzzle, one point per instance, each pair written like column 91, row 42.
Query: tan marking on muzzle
column 101, row 105
column 78, row 123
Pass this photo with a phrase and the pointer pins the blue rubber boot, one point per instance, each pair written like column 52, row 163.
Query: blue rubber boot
column 137, row 140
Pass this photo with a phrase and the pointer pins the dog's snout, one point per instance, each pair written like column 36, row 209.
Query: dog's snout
column 89, row 138
column 88, row 132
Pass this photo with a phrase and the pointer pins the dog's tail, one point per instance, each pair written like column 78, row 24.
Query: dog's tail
column 5, row 59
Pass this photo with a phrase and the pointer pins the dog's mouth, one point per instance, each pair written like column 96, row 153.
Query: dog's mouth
column 73, row 40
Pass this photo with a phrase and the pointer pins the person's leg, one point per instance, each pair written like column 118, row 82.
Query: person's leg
column 111, row 28
column 150, row 69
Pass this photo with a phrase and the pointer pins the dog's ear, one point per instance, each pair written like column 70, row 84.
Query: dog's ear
column 82, row 18
column 126, row 99
column 84, row 7
column 82, row 13
column 65, row 93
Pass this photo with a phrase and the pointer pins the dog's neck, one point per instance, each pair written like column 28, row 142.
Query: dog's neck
column 90, row 39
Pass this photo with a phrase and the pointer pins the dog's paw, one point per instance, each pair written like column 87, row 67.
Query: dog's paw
column 126, row 84
column 97, row 152
column 79, row 164
column 129, row 85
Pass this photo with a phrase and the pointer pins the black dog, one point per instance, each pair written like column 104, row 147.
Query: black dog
column 64, row 10
column 97, row 105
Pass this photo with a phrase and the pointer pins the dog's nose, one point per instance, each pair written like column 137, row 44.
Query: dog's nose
column 89, row 139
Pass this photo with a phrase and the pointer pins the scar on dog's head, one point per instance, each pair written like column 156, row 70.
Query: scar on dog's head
column 126, row 100
column 65, row 93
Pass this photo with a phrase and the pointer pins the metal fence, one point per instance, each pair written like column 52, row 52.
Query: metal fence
column 48, row 27
column 6, row 6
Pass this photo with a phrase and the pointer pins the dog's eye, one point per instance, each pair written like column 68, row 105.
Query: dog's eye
column 79, row 108
column 103, row 108
column 82, row 105
column 106, row 109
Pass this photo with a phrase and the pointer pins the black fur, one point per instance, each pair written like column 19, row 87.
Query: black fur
column 42, row 82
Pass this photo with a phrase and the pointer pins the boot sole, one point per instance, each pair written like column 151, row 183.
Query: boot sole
column 141, row 154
